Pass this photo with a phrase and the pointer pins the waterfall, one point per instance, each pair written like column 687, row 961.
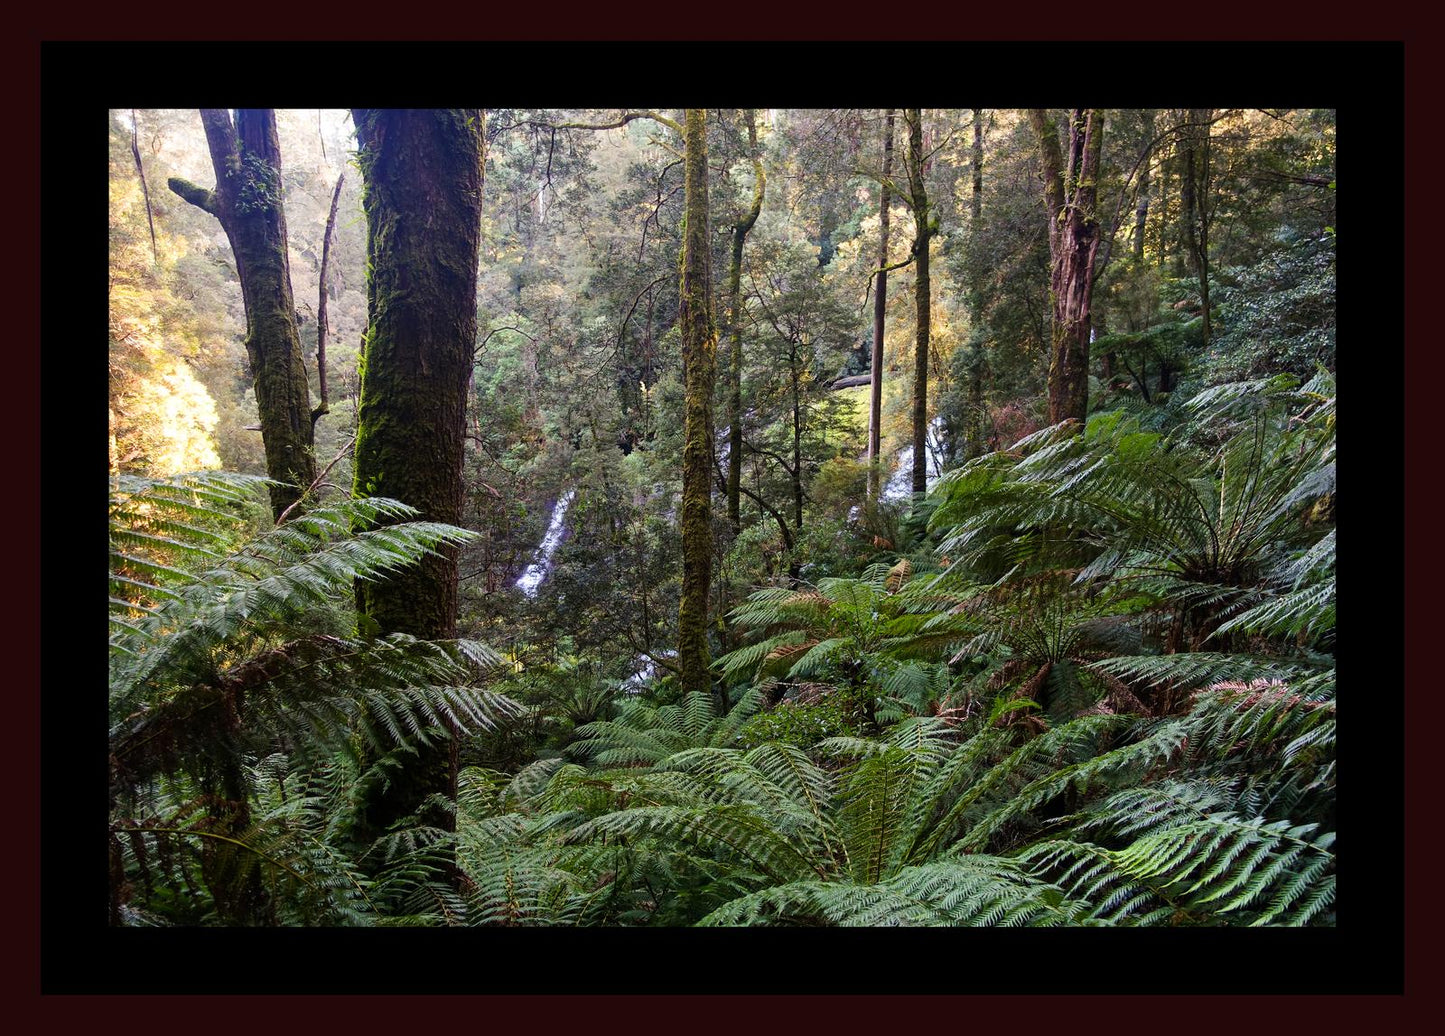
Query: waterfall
column 645, row 671
column 900, row 484
column 538, row 569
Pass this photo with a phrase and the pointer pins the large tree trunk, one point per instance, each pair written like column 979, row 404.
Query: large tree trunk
column 247, row 200
column 880, row 309
column 923, row 231
column 735, row 332
column 1070, row 195
column 423, row 199
column 699, row 362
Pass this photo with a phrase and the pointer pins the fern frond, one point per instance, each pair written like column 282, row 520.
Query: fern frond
column 973, row 891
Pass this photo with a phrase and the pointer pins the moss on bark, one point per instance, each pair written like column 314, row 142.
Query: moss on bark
column 246, row 157
column 422, row 197
column 699, row 362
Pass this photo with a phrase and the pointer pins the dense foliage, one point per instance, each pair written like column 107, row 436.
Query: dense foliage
column 1086, row 679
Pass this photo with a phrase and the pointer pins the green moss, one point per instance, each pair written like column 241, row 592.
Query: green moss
column 422, row 197
column 699, row 359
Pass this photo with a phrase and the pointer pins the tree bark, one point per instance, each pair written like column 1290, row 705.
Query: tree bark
column 246, row 157
column 422, row 173
column 699, row 361
column 923, row 231
column 880, row 309
column 735, row 332
column 1070, row 196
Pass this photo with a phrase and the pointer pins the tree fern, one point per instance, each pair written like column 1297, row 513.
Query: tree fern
column 230, row 650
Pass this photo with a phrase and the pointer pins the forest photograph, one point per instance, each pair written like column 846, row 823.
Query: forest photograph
column 799, row 517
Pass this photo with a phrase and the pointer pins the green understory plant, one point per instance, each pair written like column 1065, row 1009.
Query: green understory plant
column 242, row 702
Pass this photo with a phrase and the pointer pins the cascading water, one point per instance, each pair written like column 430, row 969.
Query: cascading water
column 645, row 671
column 900, row 484
column 537, row 571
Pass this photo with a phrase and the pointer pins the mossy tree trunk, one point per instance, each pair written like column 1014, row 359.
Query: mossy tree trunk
column 1070, row 196
column 880, row 307
column 735, row 330
column 246, row 156
column 1195, row 195
column 699, row 362
column 422, row 193
column 924, row 229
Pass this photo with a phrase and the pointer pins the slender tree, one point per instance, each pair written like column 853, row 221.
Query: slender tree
column 422, row 174
column 978, row 363
column 1141, row 209
column 1194, row 197
column 144, row 187
column 699, row 363
column 976, row 199
column 880, row 304
column 324, row 406
column 735, row 328
column 246, row 156
column 1070, row 197
column 925, row 226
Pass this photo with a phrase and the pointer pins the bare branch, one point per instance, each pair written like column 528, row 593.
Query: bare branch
column 483, row 343
column 319, row 481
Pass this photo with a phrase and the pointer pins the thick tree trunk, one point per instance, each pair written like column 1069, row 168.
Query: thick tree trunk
column 1070, row 194
column 247, row 201
column 735, row 332
column 423, row 199
column 880, row 309
column 923, row 231
column 699, row 362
